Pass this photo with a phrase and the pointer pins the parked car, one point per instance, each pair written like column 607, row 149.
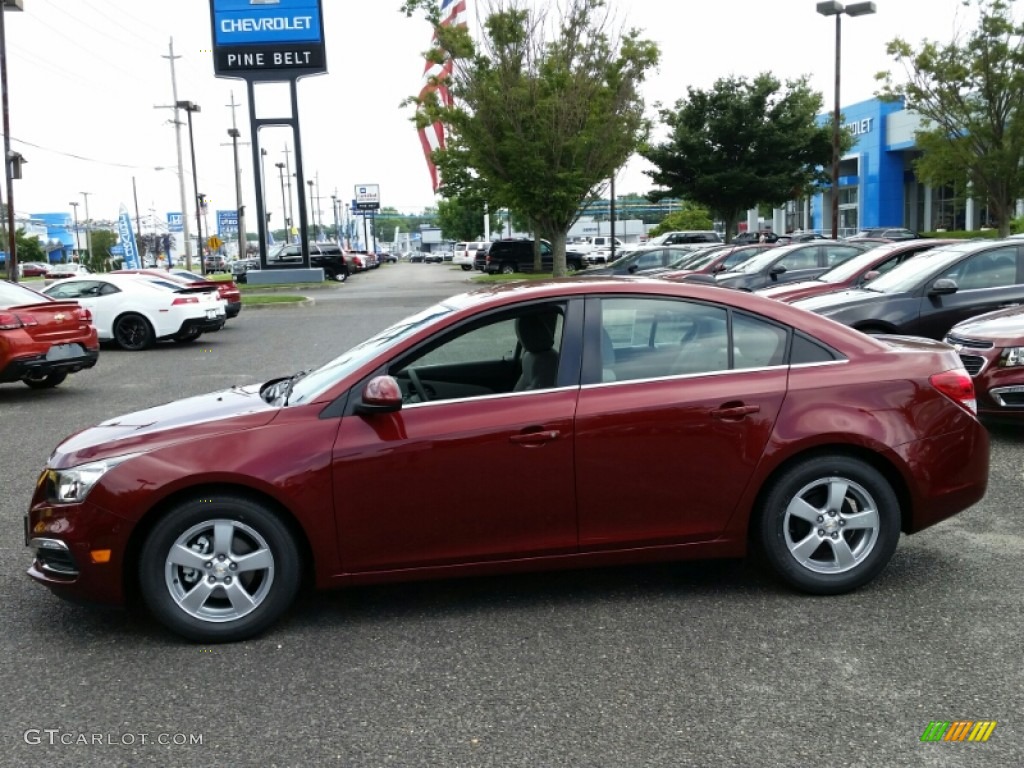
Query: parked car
column 465, row 253
column 991, row 347
column 715, row 260
column 932, row 292
column 226, row 289
column 64, row 271
column 433, row 257
column 387, row 257
column 330, row 257
column 32, row 268
column 889, row 233
column 218, row 507
column 782, row 264
column 597, row 249
column 135, row 311
column 239, row 267
column 853, row 273
column 516, row 255
column 43, row 340
column 759, row 236
column 644, row 258
column 416, row 257
column 215, row 262
column 680, row 237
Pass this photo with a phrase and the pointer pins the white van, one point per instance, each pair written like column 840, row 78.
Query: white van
column 465, row 254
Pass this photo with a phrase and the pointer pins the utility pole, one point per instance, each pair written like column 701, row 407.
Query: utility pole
column 181, row 165
column 74, row 207
column 291, row 211
column 88, row 226
column 234, row 134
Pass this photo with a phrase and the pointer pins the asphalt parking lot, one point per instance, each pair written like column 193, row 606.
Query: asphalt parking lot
column 693, row 664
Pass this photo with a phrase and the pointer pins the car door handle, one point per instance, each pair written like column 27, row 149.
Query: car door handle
column 734, row 412
column 535, row 438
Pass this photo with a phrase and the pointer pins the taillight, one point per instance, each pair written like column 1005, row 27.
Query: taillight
column 958, row 387
column 83, row 314
column 184, row 300
column 9, row 321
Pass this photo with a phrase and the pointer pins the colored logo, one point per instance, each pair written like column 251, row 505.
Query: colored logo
column 958, row 730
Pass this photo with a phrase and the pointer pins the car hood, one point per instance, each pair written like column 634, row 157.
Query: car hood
column 234, row 409
column 1004, row 327
column 828, row 302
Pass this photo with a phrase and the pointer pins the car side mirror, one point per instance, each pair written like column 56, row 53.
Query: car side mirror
column 778, row 269
column 943, row 287
column 869, row 276
column 632, row 268
column 380, row 395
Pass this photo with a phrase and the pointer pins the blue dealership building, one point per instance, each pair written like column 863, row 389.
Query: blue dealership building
column 877, row 183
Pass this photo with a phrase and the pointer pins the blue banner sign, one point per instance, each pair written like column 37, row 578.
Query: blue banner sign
column 127, row 235
column 174, row 223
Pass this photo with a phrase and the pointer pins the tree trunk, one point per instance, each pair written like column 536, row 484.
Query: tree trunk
column 558, row 247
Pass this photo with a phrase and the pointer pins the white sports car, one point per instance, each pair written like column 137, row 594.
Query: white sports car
column 135, row 311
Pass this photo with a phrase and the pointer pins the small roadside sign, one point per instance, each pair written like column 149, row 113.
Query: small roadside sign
column 215, row 243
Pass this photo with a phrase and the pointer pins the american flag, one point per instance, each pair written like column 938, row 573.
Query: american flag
column 453, row 13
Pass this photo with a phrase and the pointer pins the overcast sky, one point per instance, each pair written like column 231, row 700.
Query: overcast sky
column 84, row 77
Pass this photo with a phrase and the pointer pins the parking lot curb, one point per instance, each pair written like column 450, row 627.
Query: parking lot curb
column 306, row 302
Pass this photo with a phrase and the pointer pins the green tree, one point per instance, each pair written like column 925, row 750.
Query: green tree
column 743, row 143
column 462, row 218
column 970, row 94
column 28, row 246
column 544, row 109
column 99, row 258
column 690, row 217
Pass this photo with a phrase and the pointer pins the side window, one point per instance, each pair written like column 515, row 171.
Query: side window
column 738, row 257
column 515, row 351
column 756, row 343
column 650, row 259
column 805, row 352
column 990, row 269
column 838, row 254
column 652, row 338
column 545, row 250
column 804, row 258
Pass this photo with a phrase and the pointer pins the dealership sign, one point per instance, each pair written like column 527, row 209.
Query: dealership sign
column 227, row 222
column 367, row 197
column 258, row 38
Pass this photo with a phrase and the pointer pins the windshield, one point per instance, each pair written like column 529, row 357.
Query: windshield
column 910, row 273
column 849, row 269
column 686, row 259
column 315, row 382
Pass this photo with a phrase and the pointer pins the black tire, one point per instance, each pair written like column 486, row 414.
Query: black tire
column 45, row 381
column 508, row 269
column 816, row 547
column 466, row 267
column 249, row 531
column 133, row 332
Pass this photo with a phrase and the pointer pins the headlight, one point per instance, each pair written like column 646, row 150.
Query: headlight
column 71, row 486
column 1011, row 357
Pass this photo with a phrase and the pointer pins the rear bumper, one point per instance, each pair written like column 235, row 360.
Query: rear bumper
column 200, row 324
column 39, row 365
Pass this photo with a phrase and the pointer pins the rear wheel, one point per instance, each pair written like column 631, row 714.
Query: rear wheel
column 829, row 524
column 466, row 267
column 508, row 269
column 46, row 380
column 133, row 332
column 219, row 569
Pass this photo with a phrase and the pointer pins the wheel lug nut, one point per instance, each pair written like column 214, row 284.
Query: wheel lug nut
column 208, row 564
column 835, row 535
column 234, row 566
column 227, row 579
column 842, row 522
column 821, row 531
column 831, row 513
column 220, row 557
column 821, row 519
column 212, row 579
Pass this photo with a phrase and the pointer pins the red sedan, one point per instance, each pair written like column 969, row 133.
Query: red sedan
column 991, row 347
column 854, row 272
column 42, row 340
column 716, row 260
column 615, row 420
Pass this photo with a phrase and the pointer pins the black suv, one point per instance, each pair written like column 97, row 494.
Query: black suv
column 508, row 256
column 327, row 256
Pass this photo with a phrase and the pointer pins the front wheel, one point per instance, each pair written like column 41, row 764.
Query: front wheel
column 219, row 569
column 828, row 525
column 45, row 381
column 466, row 267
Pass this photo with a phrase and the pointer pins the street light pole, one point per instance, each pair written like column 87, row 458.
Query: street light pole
column 234, row 134
column 837, row 9
column 312, row 210
column 189, row 108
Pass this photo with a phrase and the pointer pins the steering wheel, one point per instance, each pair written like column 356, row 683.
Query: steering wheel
column 414, row 379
